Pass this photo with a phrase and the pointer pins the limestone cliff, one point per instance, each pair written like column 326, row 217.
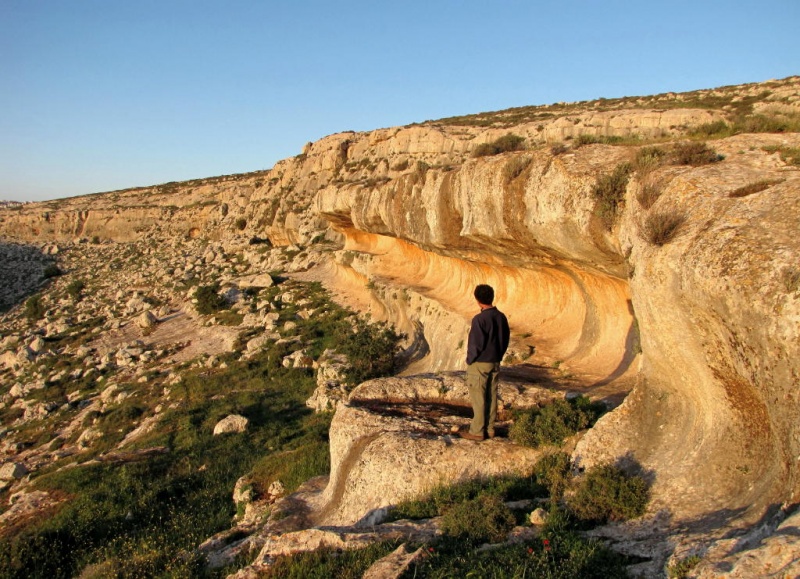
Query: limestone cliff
column 705, row 324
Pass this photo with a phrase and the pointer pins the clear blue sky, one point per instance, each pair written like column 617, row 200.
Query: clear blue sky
column 97, row 95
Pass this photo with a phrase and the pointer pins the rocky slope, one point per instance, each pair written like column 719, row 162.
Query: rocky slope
column 701, row 323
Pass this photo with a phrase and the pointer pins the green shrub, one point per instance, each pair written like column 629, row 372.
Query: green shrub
column 241, row 223
column 661, row 227
column 552, row 471
column 555, row 422
column 694, row 154
column 34, row 308
column 371, row 350
column 209, row 300
column 607, row 493
column 484, row 519
column 609, row 191
column 504, row 144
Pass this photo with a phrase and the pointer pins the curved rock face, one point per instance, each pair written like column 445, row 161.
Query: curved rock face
column 705, row 323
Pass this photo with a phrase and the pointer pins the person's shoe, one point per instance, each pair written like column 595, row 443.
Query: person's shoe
column 469, row 436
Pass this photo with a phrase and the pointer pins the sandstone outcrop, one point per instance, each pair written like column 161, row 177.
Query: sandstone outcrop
column 701, row 327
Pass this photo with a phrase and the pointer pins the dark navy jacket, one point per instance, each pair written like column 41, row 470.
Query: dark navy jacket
column 488, row 336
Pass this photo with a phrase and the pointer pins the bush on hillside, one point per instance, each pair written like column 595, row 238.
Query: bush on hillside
column 504, row 144
column 694, row 154
column 371, row 350
column 34, row 308
column 209, row 300
column 609, row 191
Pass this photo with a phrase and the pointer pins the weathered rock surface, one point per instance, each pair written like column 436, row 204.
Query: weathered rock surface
column 405, row 221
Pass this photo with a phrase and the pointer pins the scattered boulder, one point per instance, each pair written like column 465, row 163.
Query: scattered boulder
column 233, row 423
column 146, row 320
column 12, row 471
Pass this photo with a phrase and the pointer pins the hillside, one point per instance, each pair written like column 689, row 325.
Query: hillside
column 645, row 251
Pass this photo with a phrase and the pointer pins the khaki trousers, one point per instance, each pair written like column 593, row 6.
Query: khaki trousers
column 482, row 384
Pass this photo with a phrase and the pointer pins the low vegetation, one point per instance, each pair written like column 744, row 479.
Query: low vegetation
column 209, row 299
column 749, row 123
column 661, row 227
column 789, row 155
column 555, row 422
column 34, row 308
column 606, row 493
column 609, row 193
column 649, row 192
column 504, row 144
column 476, row 512
column 141, row 511
column 514, row 168
column 694, row 153
column 681, row 569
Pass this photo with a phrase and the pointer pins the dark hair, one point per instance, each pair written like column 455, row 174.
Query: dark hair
column 484, row 294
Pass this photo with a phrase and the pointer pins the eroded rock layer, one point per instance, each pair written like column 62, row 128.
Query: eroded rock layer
column 704, row 319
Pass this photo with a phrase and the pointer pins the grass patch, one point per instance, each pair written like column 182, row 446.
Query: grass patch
column 552, row 424
column 34, row 308
column 749, row 123
column 148, row 516
column 444, row 497
column 661, row 227
column 144, row 516
column 327, row 563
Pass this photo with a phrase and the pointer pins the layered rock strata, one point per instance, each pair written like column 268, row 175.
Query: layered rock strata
column 705, row 323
